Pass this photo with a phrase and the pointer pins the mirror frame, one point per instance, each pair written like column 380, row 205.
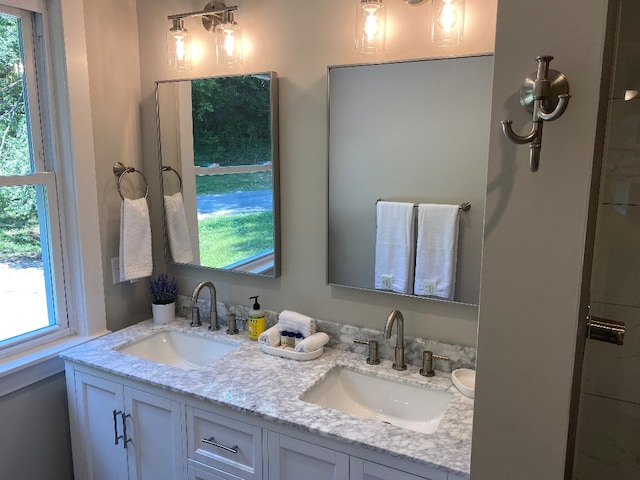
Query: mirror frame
column 275, row 162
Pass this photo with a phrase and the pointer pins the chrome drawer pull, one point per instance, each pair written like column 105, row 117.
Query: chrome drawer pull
column 212, row 441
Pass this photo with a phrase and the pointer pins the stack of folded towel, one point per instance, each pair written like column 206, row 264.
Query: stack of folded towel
column 295, row 322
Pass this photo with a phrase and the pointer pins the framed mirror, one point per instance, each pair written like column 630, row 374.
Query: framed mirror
column 415, row 132
column 218, row 144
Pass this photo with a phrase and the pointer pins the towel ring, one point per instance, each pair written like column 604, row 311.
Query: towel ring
column 167, row 168
column 120, row 170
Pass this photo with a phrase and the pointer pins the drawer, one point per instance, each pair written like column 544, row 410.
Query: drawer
column 223, row 443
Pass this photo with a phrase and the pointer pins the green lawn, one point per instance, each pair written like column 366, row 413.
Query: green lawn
column 19, row 239
column 230, row 238
column 236, row 182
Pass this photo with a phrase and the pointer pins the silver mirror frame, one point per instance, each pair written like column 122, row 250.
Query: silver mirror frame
column 273, row 98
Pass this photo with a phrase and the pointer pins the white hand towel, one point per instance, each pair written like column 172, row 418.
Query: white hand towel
column 135, row 240
column 394, row 246
column 177, row 230
column 312, row 343
column 270, row 337
column 437, row 250
column 296, row 322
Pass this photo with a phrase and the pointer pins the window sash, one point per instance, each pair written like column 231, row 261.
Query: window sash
column 36, row 103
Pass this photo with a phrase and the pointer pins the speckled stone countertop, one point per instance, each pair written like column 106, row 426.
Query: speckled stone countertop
column 247, row 380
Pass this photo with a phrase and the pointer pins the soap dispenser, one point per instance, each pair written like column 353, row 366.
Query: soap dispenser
column 255, row 320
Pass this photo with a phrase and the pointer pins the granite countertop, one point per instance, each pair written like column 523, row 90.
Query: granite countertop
column 248, row 380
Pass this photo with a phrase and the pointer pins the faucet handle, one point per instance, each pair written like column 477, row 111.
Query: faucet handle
column 232, row 329
column 195, row 316
column 373, row 358
column 427, row 363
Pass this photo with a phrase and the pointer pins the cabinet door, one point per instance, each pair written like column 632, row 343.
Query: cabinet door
column 101, row 458
column 154, row 436
column 365, row 470
column 291, row 459
column 206, row 473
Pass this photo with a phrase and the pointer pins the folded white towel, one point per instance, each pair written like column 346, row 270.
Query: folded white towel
column 296, row 322
column 270, row 337
column 437, row 250
column 177, row 230
column 135, row 240
column 312, row 343
column 394, row 246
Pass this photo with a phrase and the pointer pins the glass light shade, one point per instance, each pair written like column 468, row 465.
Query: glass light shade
column 229, row 43
column 447, row 22
column 178, row 47
column 371, row 25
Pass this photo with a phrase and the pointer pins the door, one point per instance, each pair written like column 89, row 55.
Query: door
column 154, row 432
column 100, row 421
column 291, row 459
column 608, row 432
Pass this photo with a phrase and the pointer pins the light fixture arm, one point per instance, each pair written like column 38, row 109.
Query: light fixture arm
column 545, row 93
column 212, row 8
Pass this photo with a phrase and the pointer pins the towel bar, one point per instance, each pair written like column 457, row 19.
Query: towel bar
column 465, row 206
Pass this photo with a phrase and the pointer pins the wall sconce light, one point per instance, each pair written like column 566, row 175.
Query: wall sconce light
column 178, row 46
column 228, row 41
column 371, row 25
column 447, row 22
column 217, row 18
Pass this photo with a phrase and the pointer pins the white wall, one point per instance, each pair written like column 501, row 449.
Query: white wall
column 534, row 241
column 299, row 41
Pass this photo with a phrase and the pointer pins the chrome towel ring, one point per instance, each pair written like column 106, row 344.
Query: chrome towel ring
column 166, row 168
column 120, row 170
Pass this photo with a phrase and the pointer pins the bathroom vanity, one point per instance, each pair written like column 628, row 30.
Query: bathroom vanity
column 240, row 416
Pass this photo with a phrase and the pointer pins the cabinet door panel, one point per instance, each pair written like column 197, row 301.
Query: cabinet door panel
column 154, row 431
column 365, row 470
column 204, row 473
column 101, row 458
column 291, row 459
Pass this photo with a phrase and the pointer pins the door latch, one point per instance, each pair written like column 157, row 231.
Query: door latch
column 604, row 330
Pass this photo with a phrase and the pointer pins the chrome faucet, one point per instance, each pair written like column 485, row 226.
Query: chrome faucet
column 213, row 311
column 388, row 326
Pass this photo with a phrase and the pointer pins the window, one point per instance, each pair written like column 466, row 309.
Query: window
column 31, row 269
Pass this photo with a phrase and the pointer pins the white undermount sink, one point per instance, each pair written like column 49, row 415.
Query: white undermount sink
column 180, row 350
column 403, row 405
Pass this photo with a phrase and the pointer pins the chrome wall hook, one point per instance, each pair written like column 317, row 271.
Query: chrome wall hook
column 545, row 93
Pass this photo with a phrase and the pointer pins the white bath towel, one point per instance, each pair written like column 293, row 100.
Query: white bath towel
column 312, row 343
column 270, row 337
column 437, row 250
column 135, row 240
column 177, row 230
column 394, row 246
column 290, row 321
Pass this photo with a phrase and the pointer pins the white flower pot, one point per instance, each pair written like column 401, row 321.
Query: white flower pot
column 163, row 314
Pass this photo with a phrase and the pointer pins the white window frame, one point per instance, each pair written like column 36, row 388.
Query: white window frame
column 69, row 137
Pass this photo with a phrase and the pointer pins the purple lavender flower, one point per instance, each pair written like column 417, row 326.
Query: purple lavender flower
column 162, row 291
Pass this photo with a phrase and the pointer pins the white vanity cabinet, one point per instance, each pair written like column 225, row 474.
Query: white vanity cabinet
column 123, row 432
column 170, row 436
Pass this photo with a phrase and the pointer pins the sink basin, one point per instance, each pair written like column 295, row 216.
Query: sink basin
column 407, row 406
column 177, row 349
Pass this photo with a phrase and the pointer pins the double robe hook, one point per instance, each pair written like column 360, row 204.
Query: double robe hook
column 546, row 94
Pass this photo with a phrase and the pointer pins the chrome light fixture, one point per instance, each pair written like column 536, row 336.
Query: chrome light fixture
column 447, row 22
column 371, row 24
column 217, row 18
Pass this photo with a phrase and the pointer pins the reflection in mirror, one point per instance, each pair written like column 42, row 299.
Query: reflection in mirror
column 413, row 132
column 219, row 166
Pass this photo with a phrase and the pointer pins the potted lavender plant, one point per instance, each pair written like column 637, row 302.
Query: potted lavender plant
column 163, row 293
